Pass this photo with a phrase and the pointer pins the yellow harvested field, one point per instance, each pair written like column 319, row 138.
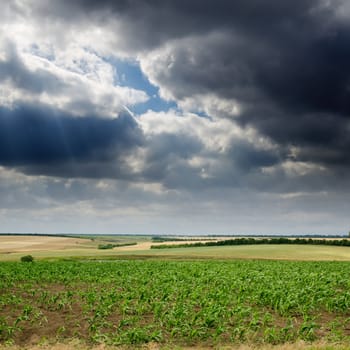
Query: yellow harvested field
column 13, row 244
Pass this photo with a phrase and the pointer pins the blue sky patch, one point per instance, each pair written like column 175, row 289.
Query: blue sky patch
column 129, row 74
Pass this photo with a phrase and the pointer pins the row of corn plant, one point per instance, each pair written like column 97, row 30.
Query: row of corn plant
column 135, row 302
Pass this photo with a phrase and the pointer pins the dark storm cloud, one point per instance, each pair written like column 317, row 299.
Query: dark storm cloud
column 45, row 141
column 311, row 76
column 156, row 20
column 150, row 23
column 322, row 138
column 247, row 157
column 287, row 63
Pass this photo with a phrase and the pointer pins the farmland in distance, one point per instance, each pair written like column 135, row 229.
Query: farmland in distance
column 138, row 247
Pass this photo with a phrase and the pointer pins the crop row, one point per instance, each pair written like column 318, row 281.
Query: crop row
column 134, row 302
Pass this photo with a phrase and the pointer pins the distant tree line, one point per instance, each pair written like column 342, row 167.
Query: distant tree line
column 69, row 235
column 165, row 239
column 111, row 246
column 250, row 241
column 160, row 239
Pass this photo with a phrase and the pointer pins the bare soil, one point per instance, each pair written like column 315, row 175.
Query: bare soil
column 78, row 345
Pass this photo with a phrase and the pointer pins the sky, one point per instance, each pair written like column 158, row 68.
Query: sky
column 175, row 116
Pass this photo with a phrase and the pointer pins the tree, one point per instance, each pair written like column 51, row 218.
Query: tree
column 27, row 258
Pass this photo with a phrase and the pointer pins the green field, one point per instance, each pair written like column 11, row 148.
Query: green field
column 189, row 303
column 249, row 296
column 280, row 252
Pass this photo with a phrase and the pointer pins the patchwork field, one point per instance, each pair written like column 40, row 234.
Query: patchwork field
column 12, row 247
column 42, row 247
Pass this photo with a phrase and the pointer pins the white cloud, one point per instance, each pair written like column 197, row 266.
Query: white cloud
column 80, row 80
column 81, row 86
column 216, row 134
column 211, row 105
